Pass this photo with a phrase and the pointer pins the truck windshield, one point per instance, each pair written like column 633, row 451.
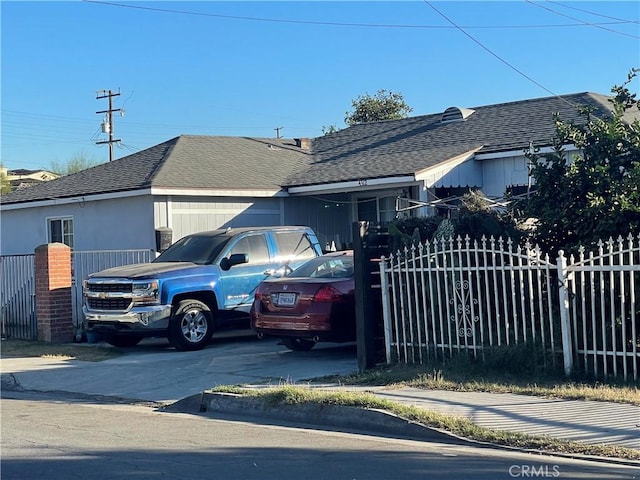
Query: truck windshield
column 196, row 249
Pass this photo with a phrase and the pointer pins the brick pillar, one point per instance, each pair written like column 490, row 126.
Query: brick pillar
column 53, row 293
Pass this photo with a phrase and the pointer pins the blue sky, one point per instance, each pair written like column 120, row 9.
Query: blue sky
column 246, row 68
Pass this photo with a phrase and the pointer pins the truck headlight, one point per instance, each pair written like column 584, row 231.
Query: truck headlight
column 145, row 292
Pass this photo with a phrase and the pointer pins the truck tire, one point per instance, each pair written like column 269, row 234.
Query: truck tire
column 191, row 325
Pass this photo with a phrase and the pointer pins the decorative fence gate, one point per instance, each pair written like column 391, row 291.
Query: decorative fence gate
column 458, row 295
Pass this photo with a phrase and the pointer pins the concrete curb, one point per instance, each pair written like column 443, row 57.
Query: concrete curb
column 337, row 416
column 372, row 421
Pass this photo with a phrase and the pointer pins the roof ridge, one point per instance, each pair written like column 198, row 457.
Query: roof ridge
column 160, row 163
column 279, row 143
column 563, row 97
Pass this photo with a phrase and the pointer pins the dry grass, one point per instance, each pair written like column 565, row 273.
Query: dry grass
column 459, row 378
column 291, row 395
column 79, row 351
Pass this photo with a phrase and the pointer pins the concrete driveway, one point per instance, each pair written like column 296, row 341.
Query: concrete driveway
column 154, row 371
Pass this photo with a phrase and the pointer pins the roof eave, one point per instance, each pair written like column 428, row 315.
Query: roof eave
column 353, row 185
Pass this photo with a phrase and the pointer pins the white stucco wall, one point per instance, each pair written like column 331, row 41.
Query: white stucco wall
column 109, row 224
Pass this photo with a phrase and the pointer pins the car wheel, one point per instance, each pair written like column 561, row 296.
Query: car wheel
column 298, row 344
column 123, row 340
column 191, row 325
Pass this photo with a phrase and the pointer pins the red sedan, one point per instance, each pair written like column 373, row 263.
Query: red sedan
column 314, row 303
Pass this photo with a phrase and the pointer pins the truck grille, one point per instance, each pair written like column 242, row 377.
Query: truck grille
column 111, row 295
column 111, row 287
column 109, row 303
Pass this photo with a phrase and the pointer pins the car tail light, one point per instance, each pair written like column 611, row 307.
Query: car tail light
column 327, row 294
column 259, row 292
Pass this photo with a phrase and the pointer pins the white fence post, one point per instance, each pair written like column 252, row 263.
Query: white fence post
column 386, row 310
column 563, row 298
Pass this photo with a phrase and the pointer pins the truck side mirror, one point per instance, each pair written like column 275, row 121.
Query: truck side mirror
column 234, row 259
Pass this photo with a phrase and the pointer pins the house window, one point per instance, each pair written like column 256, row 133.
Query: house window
column 449, row 199
column 387, row 208
column 61, row 231
column 374, row 209
column 368, row 209
column 517, row 190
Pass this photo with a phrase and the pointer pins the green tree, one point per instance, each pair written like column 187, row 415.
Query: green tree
column 596, row 194
column 80, row 161
column 476, row 218
column 384, row 105
column 327, row 130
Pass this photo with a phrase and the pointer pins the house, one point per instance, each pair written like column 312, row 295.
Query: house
column 21, row 178
column 372, row 171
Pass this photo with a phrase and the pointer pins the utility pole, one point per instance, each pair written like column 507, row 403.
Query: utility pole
column 107, row 124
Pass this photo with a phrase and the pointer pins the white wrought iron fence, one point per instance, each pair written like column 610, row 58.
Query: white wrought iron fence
column 458, row 295
column 603, row 290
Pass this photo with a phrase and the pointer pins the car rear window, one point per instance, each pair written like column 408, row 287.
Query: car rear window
column 326, row 267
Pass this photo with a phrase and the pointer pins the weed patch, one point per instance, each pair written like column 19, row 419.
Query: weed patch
column 85, row 352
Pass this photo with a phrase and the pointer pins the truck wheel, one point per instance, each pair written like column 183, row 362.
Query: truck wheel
column 191, row 325
column 123, row 340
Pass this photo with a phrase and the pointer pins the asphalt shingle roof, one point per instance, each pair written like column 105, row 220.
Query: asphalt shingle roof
column 403, row 147
column 366, row 151
column 186, row 162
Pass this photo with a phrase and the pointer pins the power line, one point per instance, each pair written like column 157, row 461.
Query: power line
column 581, row 21
column 491, row 52
column 13, row 119
column 342, row 24
column 592, row 13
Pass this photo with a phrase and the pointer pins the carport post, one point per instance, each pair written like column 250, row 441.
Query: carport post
column 369, row 244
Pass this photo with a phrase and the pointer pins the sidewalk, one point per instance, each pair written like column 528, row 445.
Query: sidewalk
column 594, row 423
column 167, row 379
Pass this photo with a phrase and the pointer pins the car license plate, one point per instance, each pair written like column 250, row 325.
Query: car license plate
column 286, row 299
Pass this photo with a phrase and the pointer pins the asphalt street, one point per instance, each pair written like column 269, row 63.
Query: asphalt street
column 154, row 372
